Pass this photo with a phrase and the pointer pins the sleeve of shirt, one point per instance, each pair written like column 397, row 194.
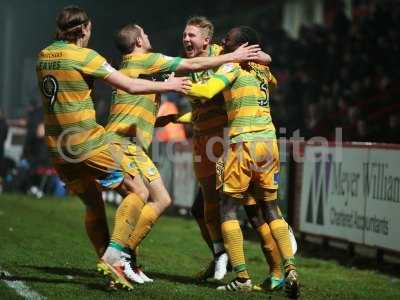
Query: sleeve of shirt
column 224, row 76
column 163, row 63
column 95, row 65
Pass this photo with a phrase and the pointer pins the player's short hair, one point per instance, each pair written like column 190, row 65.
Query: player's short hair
column 125, row 38
column 70, row 22
column 246, row 34
column 203, row 23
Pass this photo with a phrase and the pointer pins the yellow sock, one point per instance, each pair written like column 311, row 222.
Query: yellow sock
column 212, row 220
column 279, row 229
column 97, row 229
column 126, row 217
column 147, row 218
column 233, row 240
column 270, row 250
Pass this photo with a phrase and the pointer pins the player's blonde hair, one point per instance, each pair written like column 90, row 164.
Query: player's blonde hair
column 203, row 23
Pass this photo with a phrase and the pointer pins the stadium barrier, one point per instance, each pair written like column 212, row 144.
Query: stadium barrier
column 349, row 192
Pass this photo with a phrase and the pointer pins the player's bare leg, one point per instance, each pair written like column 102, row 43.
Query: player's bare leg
column 197, row 211
column 95, row 218
column 280, row 231
column 275, row 279
column 213, row 223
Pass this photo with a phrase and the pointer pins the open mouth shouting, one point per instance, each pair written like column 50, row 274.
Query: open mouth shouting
column 189, row 50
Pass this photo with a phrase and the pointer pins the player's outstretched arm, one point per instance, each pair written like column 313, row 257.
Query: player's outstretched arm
column 208, row 89
column 243, row 53
column 223, row 78
column 141, row 86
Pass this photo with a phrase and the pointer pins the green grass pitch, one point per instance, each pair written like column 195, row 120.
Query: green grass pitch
column 43, row 244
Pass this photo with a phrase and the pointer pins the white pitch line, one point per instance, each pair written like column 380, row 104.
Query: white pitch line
column 21, row 288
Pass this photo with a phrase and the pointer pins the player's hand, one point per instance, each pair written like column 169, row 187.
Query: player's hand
column 246, row 53
column 165, row 120
column 179, row 84
column 262, row 58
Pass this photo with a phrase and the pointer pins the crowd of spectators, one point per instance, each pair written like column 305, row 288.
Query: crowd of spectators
column 33, row 172
column 344, row 73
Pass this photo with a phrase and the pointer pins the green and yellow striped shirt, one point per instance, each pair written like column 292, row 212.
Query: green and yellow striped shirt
column 246, row 98
column 134, row 116
column 208, row 118
column 65, row 74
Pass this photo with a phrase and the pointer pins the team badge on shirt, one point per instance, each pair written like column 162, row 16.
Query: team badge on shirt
column 227, row 67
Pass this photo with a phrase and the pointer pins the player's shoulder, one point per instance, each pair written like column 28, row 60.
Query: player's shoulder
column 148, row 57
column 80, row 54
column 259, row 67
column 215, row 49
column 56, row 51
column 48, row 51
column 88, row 52
column 229, row 67
column 44, row 53
column 145, row 55
column 66, row 52
column 262, row 72
column 166, row 58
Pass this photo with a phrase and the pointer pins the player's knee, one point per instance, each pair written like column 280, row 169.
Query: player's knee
column 143, row 194
column 167, row 201
column 271, row 211
column 211, row 196
column 95, row 213
column 253, row 215
column 227, row 215
column 94, row 205
column 211, row 212
column 228, row 208
column 129, row 186
column 197, row 209
column 272, row 217
column 162, row 200
column 196, row 212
